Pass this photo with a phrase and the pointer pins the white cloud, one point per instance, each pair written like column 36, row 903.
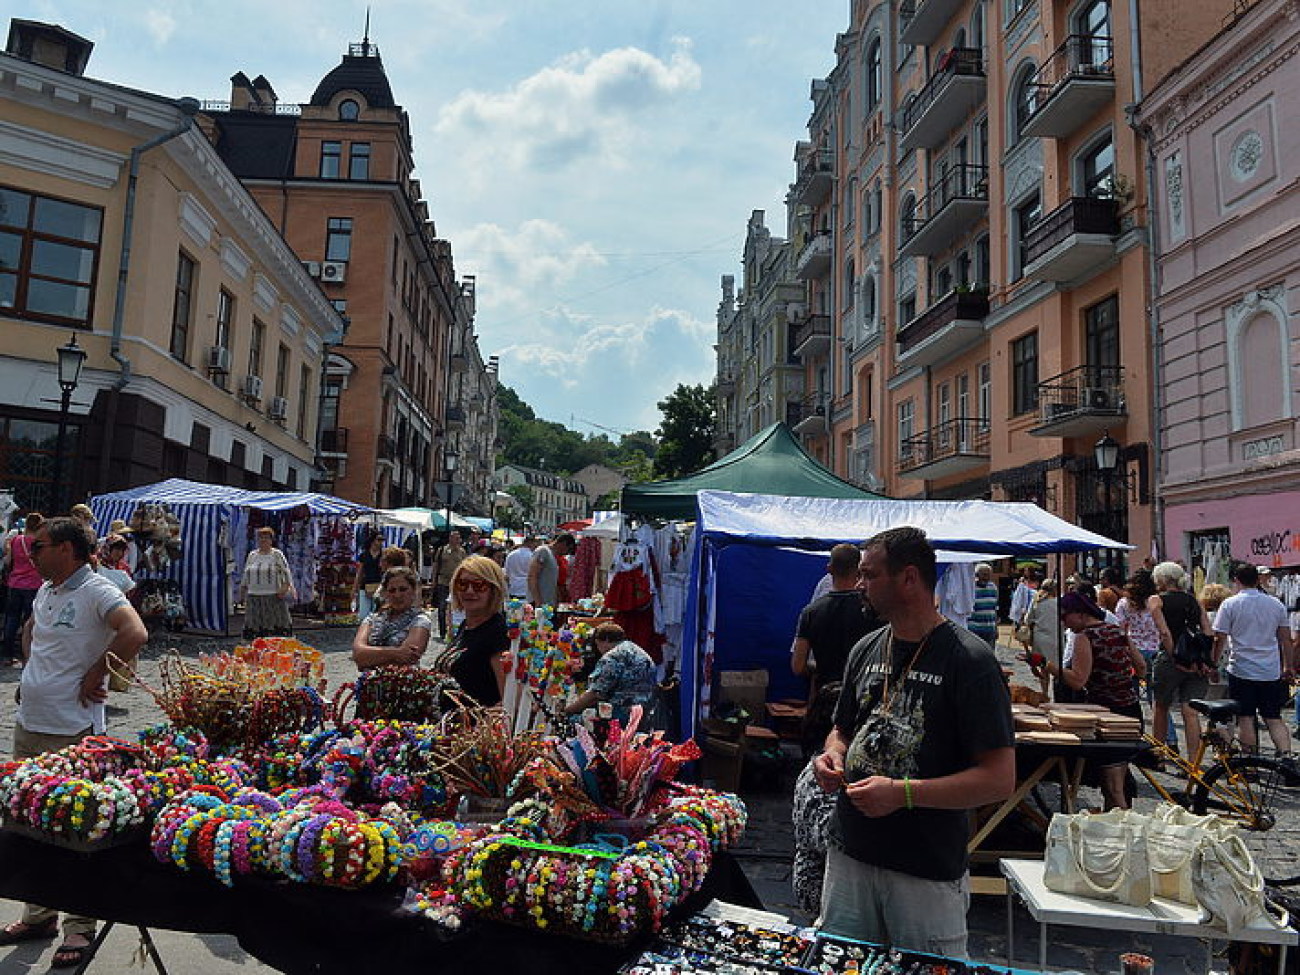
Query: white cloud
column 160, row 23
column 519, row 270
column 582, row 106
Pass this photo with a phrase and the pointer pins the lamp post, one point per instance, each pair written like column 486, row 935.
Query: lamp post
column 1106, row 453
column 71, row 359
column 449, row 460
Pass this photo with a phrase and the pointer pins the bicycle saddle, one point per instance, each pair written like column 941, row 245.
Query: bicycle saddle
column 1216, row 710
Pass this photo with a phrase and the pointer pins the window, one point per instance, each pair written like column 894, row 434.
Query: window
column 1101, row 334
column 225, row 317
column 349, row 110
column 945, row 402
column 304, row 394
column 984, row 392
column 982, row 269
column 182, row 307
column 942, row 282
column 850, row 283
column 282, row 371
column 329, row 407
column 868, row 303
column 977, row 27
column 1026, row 215
column 867, row 217
column 1092, row 24
column 877, row 205
column 1026, row 99
column 906, row 308
column 1097, row 170
column 1014, row 7
column 49, row 251
column 330, row 155
column 906, row 421
column 359, row 161
column 255, row 348
column 338, row 239
column 907, row 218
column 1024, row 373
column 875, row 83
column 963, row 396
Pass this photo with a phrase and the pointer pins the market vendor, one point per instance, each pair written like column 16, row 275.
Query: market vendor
column 476, row 657
column 399, row 632
column 624, row 675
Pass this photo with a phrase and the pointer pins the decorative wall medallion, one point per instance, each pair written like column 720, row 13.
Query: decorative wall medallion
column 1246, row 155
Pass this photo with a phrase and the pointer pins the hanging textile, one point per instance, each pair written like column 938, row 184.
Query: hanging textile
column 582, row 571
column 632, row 598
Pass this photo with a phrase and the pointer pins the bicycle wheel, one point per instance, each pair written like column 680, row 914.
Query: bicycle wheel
column 1265, row 802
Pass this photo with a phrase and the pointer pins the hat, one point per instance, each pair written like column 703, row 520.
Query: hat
column 118, row 527
column 1077, row 602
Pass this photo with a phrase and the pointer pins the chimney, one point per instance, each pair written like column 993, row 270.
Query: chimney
column 48, row 45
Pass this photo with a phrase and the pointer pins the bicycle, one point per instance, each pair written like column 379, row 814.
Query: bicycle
column 1259, row 793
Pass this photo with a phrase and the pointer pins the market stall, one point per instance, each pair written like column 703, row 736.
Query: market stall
column 756, row 557
column 205, row 531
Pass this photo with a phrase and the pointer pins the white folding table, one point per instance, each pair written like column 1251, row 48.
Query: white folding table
column 1025, row 878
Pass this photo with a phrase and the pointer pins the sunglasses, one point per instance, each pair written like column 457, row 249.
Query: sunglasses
column 473, row 585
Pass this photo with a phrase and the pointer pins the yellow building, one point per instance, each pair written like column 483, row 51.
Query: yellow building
column 121, row 228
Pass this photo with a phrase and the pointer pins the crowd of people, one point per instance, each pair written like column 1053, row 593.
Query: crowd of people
column 909, row 727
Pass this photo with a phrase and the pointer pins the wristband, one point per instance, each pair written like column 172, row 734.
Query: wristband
column 907, row 792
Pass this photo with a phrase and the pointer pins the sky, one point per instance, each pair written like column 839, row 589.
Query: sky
column 593, row 162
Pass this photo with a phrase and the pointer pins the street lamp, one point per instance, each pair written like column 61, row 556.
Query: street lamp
column 71, row 358
column 1106, row 453
column 449, row 460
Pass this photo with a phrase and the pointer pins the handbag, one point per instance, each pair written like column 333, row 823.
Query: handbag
column 1102, row 856
column 1193, row 649
column 1025, row 633
column 1174, row 837
column 1231, row 886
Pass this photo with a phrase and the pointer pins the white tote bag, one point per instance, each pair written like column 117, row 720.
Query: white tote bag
column 1174, row 838
column 1103, row 857
column 1231, row 886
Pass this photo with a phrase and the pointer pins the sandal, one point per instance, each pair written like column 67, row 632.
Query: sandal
column 20, row 931
column 70, row 956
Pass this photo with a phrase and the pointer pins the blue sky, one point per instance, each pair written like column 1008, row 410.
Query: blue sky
column 593, row 162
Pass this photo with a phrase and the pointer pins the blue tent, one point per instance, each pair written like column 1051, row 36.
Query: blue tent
column 213, row 521
column 756, row 558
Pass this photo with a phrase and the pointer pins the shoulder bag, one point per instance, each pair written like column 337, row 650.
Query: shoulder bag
column 1231, row 886
column 1102, row 856
column 1174, row 837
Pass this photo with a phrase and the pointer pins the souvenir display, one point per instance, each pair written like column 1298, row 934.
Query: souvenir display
column 393, row 692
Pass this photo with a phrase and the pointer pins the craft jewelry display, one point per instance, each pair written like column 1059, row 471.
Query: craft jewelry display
column 394, row 692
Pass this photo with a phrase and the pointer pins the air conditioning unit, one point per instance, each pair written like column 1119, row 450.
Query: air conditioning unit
column 253, row 388
column 312, row 268
column 1097, row 398
column 334, row 271
column 279, row 408
column 219, row 359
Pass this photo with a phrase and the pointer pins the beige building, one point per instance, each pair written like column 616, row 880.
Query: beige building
column 969, row 222
column 557, row 498
column 121, row 228
column 598, row 480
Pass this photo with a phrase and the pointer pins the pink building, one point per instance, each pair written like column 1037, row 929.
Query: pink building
column 1224, row 128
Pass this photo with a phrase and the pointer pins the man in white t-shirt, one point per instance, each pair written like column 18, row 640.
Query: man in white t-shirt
column 1260, row 657
column 78, row 618
column 517, row 565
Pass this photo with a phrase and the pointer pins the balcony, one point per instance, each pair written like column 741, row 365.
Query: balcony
column 806, row 420
column 334, row 441
column 814, row 260
column 955, row 90
column 455, row 418
column 1081, row 402
column 924, row 21
column 816, row 177
column 1072, row 240
column 811, row 338
column 951, row 325
column 955, row 204
column 1076, row 81
column 952, row 447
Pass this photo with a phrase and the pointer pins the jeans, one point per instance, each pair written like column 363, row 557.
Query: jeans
column 17, row 608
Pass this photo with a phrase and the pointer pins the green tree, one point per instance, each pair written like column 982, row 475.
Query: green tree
column 686, row 433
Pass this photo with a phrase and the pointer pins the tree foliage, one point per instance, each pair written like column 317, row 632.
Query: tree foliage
column 686, row 433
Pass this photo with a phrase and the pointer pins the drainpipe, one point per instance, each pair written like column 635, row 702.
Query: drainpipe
column 189, row 107
column 1145, row 134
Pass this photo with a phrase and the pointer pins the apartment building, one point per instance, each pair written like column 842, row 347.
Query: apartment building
column 124, row 233
column 557, row 498
column 1225, row 135
column 969, row 224
column 759, row 379
column 336, row 176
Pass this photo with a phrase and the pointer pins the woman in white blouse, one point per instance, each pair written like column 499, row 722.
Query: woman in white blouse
column 265, row 586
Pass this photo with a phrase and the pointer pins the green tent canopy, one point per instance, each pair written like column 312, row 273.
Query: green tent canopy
column 770, row 462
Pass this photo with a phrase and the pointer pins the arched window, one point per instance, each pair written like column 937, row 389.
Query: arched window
column 349, row 110
column 875, row 79
column 1026, row 99
column 868, row 218
column 977, row 27
column 868, row 309
column 959, row 39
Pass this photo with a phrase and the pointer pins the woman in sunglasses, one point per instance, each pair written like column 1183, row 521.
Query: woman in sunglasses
column 399, row 632
column 475, row 656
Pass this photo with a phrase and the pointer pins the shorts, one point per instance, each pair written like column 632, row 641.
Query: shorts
column 1262, row 697
column 1170, row 684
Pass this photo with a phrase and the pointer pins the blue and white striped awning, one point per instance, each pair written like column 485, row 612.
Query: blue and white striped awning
column 211, row 516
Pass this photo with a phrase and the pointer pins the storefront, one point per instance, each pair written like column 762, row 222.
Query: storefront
column 1263, row 529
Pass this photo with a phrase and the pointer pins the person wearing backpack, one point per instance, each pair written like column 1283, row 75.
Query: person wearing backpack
column 1181, row 668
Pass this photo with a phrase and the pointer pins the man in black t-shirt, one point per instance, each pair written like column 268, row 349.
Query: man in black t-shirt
column 831, row 624
column 922, row 734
